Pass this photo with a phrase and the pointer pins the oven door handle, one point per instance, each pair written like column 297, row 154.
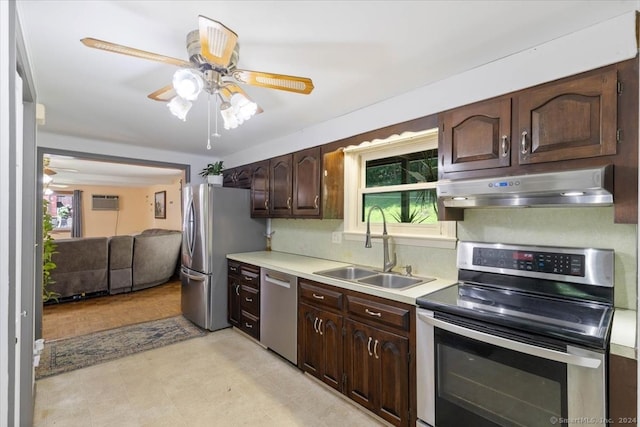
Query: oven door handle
column 545, row 353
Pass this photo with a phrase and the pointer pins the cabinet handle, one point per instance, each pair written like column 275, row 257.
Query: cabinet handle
column 289, row 202
column 375, row 350
column 238, row 290
column 442, row 160
column 320, row 327
column 523, row 144
column 505, row 146
column 315, row 201
column 372, row 313
column 369, row 346
column 248, row 325
column 266, row 203
column 248, row 279
column 315, row 325
column 247, row 299
column 318, row 296
column 234, row 269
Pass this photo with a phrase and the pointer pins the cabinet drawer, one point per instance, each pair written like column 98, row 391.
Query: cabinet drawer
column 250, row 324
column 250, row 300
column 233, row 267
column 378, row 313
column 250, row 275
column 320, row 295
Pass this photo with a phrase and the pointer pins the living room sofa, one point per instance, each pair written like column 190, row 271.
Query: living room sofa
column 90, row 266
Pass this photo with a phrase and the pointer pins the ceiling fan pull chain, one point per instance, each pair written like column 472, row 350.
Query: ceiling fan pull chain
column 216, row 134
column 208, row 121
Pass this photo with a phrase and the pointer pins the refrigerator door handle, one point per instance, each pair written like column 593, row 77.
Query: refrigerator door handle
column 192, row 277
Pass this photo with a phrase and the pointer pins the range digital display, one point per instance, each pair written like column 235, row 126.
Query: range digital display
column 543, row 262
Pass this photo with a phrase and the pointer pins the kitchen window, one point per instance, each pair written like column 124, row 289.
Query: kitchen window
column 398, row 174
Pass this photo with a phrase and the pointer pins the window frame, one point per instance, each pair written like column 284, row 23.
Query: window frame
column 442, row 234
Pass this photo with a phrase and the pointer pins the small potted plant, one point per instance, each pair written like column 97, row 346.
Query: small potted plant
column 213, row 173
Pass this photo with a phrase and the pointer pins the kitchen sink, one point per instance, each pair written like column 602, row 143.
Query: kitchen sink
column 351, row 272
column 366, row 276
column 393, row 281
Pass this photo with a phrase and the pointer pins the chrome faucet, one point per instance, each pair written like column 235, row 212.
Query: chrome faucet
column 387, row 264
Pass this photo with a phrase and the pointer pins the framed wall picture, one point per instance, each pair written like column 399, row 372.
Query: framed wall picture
column 160, row 205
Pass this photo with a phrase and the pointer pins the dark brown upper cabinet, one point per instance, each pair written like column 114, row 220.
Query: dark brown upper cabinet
column 280, row 186
column 477, row 136
column 260, row 189
column 307, row 167
column 571, row 119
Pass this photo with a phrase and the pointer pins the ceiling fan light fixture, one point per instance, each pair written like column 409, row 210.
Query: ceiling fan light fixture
column 179, row 107
column 188, row 84
column 46, row 179
column 243, row 108
column 228, row 116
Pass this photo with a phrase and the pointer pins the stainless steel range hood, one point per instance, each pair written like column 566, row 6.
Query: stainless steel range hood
column 584, row 187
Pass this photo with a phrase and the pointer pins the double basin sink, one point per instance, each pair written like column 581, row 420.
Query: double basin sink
column 367, row 276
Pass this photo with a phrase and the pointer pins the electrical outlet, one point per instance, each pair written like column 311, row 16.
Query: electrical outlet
column 336, row 237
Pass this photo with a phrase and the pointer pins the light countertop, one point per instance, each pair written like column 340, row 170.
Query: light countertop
column 303, row 266
column 623, row 334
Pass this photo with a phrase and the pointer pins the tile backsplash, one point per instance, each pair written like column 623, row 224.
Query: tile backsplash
column 578, row 227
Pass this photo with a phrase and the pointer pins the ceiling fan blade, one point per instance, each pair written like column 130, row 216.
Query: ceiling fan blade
column 164, row 94
column 49, row 171
column 295, row 84
column 229, row 89
column 217, row 42
column 125, row 50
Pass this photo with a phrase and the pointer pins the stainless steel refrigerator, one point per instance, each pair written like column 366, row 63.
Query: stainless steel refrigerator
column 216, row 222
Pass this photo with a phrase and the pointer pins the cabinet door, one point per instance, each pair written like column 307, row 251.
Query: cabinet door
column 233, row 305
column 333, row 185
column 391, row 353
column 310, row 357
column 228, row 178
column 260, row 190
column 280, row 186
column 476, row 136
column 359, row 365
column 306, row 182
column 571, row 119
column 242, row 176
column 330, row 329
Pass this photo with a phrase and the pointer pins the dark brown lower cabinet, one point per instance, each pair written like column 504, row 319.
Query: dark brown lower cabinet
column 233, row 294
column 623, row 393
column 321, row 346
column 377, row 371
column 243, row 297
column 360, row 345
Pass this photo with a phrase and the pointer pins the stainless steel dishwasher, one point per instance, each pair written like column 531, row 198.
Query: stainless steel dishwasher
column 279, row 313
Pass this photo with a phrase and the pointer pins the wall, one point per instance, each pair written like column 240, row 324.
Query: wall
column 135, row 212
column 173, row 206
column 577, row 227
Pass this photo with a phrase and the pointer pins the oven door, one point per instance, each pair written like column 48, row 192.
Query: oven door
column 470, row 377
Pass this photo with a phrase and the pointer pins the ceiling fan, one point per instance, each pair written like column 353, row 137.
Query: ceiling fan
column 212, row 66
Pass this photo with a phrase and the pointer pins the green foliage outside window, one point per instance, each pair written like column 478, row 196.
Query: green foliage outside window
column 411, row 206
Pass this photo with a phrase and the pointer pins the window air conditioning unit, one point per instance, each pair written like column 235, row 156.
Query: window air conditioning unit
column 100, row 202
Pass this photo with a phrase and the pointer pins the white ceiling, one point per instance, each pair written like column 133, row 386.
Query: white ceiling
column 357, row 52
column 70, row 171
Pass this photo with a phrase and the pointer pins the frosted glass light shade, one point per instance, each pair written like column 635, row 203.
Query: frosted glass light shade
column 179, row 107
column 188, row 84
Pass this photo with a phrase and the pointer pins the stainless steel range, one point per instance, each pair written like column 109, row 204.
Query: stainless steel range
column 520, row 340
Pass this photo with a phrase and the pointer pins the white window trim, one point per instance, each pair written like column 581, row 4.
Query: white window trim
column 440, row 235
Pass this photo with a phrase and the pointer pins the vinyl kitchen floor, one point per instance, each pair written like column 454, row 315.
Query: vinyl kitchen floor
column 221, row 379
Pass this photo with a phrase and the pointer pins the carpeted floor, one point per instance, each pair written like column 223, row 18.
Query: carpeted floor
column 65, row 355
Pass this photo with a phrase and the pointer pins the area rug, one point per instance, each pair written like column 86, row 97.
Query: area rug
column 68, row 354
